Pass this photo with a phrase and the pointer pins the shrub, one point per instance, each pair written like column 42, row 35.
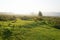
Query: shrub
column 57, row 26
column 6, row 34
column 38, row 19
column 6, row 18
column 12, row 18
column 25, row 18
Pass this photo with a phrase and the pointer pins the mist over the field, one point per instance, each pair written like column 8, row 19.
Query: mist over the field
column 51, row 13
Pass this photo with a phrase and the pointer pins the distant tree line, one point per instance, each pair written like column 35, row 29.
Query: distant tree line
column 6, row 17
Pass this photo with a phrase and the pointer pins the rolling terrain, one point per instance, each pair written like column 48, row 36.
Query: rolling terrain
column 29, row 28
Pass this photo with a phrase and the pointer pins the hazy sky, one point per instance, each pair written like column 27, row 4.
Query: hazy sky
column 25, row 6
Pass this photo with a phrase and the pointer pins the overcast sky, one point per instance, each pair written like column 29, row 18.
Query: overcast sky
column 26, row 6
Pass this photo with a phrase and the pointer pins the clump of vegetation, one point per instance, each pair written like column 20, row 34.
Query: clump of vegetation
column 6, row 17
column 6, row 34
column 40, row 13
column 25, row 18
column 57, row 26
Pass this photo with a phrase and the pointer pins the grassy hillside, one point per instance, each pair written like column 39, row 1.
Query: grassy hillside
column 29, row 28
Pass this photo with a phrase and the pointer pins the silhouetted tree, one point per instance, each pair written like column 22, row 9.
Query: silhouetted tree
column 40, row 13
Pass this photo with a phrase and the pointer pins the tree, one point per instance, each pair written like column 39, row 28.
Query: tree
column 40, row 13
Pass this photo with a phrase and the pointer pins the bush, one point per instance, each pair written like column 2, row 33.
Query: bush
column 6, row 34
column 6, row 18
column 57, row 26
column 38, row 19
column 25, row 18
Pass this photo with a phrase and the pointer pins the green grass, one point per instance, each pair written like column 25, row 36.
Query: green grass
column 29, row 30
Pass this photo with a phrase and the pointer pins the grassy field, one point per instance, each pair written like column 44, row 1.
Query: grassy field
column 23, row 28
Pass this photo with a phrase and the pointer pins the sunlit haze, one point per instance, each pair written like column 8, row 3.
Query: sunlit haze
column 28, row 6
